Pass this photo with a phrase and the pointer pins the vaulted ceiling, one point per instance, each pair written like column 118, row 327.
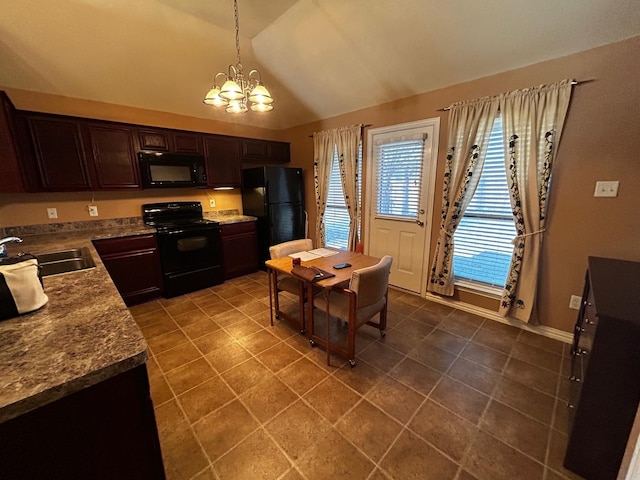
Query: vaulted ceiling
column 319, row 58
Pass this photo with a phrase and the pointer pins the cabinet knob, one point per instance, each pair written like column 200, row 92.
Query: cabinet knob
column 589, row 322
column 573, row 378
column 570, row 405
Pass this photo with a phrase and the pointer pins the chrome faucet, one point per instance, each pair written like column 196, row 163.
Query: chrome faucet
column 3, row 248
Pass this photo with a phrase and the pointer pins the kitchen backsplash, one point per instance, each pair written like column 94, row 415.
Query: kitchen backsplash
column 45, row 228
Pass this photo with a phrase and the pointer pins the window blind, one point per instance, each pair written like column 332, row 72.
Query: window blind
column 399, row 173
column 483, row 238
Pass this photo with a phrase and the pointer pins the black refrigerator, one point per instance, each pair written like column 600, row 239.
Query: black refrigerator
column 276, row 196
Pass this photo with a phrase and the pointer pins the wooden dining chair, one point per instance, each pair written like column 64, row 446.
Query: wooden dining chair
column 357, row 305
column 288, row 283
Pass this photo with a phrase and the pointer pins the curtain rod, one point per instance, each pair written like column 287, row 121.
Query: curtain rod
column 574, row 82
column 363, row 126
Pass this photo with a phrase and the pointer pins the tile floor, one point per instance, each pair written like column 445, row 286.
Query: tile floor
column 445, row 395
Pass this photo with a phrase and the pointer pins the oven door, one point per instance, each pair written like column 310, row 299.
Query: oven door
column 191, row 259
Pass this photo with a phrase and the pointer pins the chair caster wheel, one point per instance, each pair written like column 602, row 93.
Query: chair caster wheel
column 312, row 343
column 352, row 363
column 277, row 317
column 303, row 331
column 383, row 333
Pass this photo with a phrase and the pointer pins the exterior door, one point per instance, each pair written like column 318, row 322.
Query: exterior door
column 400, row 206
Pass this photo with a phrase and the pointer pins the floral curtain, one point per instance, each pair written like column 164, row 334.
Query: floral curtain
column 532, row 122
column 470, row 125
column 323, row 146
column 348, row 144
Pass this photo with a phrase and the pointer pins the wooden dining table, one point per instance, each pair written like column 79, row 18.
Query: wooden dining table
column 341, row 278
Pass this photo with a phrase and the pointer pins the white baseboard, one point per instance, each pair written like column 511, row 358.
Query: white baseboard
column 554, row 333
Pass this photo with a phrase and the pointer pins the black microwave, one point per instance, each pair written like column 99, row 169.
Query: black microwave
column 172, row 170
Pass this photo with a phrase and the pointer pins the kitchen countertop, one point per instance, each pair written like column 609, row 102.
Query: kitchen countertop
column 82, row 336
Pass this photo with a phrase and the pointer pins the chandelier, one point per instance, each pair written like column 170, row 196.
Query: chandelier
column 239, row 93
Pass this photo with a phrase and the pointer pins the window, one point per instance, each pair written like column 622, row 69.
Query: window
column 399, row 174
column 336, row 216
column 483, row 248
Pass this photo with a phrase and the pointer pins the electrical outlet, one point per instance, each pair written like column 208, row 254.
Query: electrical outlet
column 575, row 302
column 606, row 189
column 52, row 212
column 212, row 203
column 93, row 211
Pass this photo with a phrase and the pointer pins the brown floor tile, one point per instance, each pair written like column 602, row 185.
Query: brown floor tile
column 302, row 375
column 414, row 328
column 396, row 399
column 361, row 378
column 179, row 305
column 370, row 429
column 205, row 398
column 400, row 341
column 416, row 375
column 161, row 343
column 155, row 315
column 474, row 375
column 297, row 428
column 525, row 399
column 259, row 341
column 447, row 341
column 381, row 356
column 206, row 474
column 268, row 398
column 218, row 309
column 190, row 375
column 177, row 356
column 489, row 338
column 292, row 474
column 535, row 356
column 243, row 328
column 160, row 391
column 181, row 453
column 489, row 458
column 485, row 356
column 463, row 400
column 333, row 457
column 444, row 429
column 557, row 449
column 332, row 398
column 279, row 356
column 165, row 325
column 223, row 429
column 244, row 376
column 412, row 458
column 239, row 300
column 213, row 341
column 254, row 307
column 517, row 430
column 462, row 326
column 426, row 316
column 228, row 357
column 188, row 318
column 256, row 458
column 541, row 342
column 437, row 308
column 432, row 356
column 200, row 328
column 532, row 376
column 561, row 419
column 401, row 307
column 143, row 308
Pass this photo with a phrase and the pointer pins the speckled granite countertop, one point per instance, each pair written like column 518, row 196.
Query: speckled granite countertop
column 83, row 335
column 228, row 219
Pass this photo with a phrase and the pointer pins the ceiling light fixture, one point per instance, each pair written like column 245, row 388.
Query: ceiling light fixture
column 237, row 93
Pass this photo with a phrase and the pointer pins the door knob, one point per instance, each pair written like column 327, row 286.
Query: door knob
column 420, row 224
column 421, row 211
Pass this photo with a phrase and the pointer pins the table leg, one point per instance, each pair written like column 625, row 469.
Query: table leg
column 271, row 293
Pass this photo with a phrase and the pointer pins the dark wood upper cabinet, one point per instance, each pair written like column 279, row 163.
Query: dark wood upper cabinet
column 254, row 150
column 278, row 152
column 11, row 180
column 59, row 153
column 223, row 161
column 157, row 140
column 113, row 156
column 185, row 142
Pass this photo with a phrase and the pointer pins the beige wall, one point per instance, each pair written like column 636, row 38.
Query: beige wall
column 601, row 141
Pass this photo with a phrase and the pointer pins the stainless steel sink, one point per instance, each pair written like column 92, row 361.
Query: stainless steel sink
column 65, row 261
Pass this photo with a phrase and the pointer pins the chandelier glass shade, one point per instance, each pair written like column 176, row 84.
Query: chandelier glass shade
column 236, row 92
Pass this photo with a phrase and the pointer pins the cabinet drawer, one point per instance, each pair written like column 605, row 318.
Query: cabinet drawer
column 125, row 244
column 237, row 228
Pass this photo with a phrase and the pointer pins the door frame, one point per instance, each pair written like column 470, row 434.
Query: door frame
column 430, row 167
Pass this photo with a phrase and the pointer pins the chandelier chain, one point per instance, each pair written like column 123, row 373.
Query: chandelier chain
column 235, row 12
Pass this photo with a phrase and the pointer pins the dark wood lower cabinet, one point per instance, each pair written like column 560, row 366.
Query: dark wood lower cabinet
column 605, row 373
column 103, row 432
column 240, row 248
column 134, row 265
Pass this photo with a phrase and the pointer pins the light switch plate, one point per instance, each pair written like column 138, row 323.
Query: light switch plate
column 52, row 212
column 212, row 203
column 93, row 211
column 606, row 189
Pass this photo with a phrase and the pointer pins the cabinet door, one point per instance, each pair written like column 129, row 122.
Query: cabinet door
column 254, row 150
column 240, row 248
column 187, row 142
column 278, row 152
column 139, row 254
column 11, row 180
column 114, row 156
column 158, row 140
column 223, row 161
column 59, row 153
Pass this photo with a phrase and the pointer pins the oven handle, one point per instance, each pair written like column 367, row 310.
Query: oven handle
column 194, row 231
